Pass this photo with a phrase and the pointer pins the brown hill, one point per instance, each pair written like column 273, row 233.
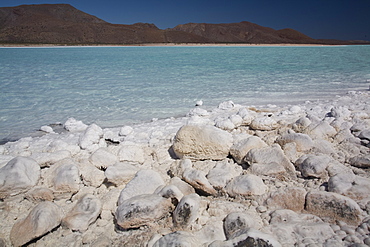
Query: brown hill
column 64, row 24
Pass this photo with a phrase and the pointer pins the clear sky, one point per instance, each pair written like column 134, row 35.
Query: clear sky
column 328, row 19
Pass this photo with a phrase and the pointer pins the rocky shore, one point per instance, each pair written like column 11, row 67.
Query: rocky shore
column 232, row 176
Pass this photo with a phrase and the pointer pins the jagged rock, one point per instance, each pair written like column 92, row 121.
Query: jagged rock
column 186, row 211
column 361, row 161
column 198, row 180
column 73, row 125
column 236, row 222
column 287, row 198
column 144, row 182
column 91, row 136
column 131, row 152
column 303, row 142
column 348, row 184
column 202, row 142
column 120, row 173
column 246, row 185
column 39, row 194
column 250, row 237
column 66, row 178
column 85, row 212
column 48, row 159
column 268, row 155
column 240, row 149
column 333, row 206
column 103, row 158
column 264, row 123
column 313, row 165
column 178, row 239
column 221, row 174
column 18, row 175
column 42, row 219
column 142, row 210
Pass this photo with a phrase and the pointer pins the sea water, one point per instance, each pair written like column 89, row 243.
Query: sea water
column 113, row 86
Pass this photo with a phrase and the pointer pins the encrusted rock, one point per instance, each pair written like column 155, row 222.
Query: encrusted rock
column 66, row 178
column 313, row 165
column 221, row 174
column 236, row 222
column 131, row 152
column 142, row 210
column 303, row 142
column 85, row 212
column 186, row 211
column 240, row 149
column 348, row 184
column 246, row 185
column 91, row 136
column 73, row 125
column 178, row 239
column 103, row 158
column 39, row 194
column 333, row 206
column 361, row 161
column 120, row 173
column 264, row 123
column 18, row 175
column 202, row 142
column 48, row 159
column 198, row 180
column 287, row 198
column 42, row 219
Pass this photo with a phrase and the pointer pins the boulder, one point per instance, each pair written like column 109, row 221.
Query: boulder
column 322, row 130
column 48, row 159
column 178, row 239
column 185, row 188
column 91, row 136
column 303, row 142
column 141, row 210
column 313, row 166
column 73, row 125
column 66, row 178
column 364, row 134
column 236, row 222
column 224, row 123
column 272, row 169
column 18, row 175
column 360, row 161
column 292, row 198
column 84, row 213
column 42, row 219
column 301, row 124
column 240, row 149
column 198, row 180
column 125, row 130
column 221, row 174
column 120, row 173
column 144, row 182
column 333, row 206
column 264, row 123
column 131, row 152
column 351, row 185
column 39, row 194
column 186, row 211
column 202, row 142
column 102, row 158
column 246, row 185
column 268, row 155
column 170, row 191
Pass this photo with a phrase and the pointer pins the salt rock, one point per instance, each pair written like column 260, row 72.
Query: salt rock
column 313, row 165
column 186, row 211
column 246, row 115
column 73, row 125
column 303, row 142
column 66, row 178
column 268, row 155
column 226, row 105
column 42, row 219
column 340, row 112
column 333, row 206
column 39, row 194
column 322, row 130
column 364, row 134
column 91, row 136
column 91, row 175
column 18, row 175
column 236, row 222
column 348, row 184
column 84, row 213
column 246, row 185
column 120, row 173
column 225, row 124
column 198, row 112
column 272, row 169
column 361, row 161
column 240, row 149
column 264, row 123
column 178, row 239
column 142, row 210
column 292, row 198
column 125, row 130
column 48, row 159
column 185, row 188
column 47, row 129
column 170, row 191
column 131, row 152
column 250, row 237
column 236, row 120
column 144, row 182
column 301, row 124
column 198, row 180
column 202, row 143
column 221, row 174
column 103, row 158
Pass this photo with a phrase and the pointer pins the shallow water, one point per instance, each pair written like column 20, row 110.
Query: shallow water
column 113, row 86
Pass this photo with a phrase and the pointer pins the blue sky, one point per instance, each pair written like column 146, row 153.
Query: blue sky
column 336, row 19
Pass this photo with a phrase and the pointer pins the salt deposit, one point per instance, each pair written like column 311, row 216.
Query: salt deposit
column 274, row 176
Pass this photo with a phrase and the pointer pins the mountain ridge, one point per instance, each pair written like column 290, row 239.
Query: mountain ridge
column 64, row 24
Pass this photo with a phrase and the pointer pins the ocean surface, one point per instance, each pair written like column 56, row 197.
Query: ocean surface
column 113, row 86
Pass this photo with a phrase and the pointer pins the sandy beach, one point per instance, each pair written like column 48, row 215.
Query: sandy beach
column 295, row 175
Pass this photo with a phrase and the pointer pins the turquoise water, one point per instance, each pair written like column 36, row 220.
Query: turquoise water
column 112, row 86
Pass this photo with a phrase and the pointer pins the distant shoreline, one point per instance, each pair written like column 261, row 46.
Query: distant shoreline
column 159, row 44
